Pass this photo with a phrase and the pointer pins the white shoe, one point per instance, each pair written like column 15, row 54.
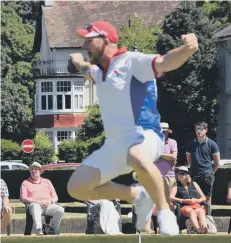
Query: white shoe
column 168, row 223
column 143, row 209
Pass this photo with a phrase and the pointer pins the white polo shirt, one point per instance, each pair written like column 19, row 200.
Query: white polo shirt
column 128, row 94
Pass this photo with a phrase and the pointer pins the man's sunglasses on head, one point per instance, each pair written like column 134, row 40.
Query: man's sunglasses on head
column 91, row 27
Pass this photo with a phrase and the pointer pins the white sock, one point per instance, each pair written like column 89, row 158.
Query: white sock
column 163, row 211
column 140, row 189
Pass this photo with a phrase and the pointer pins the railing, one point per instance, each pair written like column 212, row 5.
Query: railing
column 52, row 68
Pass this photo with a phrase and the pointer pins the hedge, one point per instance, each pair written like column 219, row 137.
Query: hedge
column 43, row 153
column 10, row 150
column 59, row 178
column 77, row 150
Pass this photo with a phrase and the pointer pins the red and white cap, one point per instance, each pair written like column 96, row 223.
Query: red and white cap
column 99, row 28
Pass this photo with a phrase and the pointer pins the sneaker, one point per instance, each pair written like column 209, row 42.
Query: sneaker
column 168, row 223
column 143, row 209
column 39, row 232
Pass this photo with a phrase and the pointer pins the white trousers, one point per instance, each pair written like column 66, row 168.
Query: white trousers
column 53, row 210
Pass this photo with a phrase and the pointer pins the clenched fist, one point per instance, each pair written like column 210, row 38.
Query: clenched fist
column 76, row 57
column 190, row 42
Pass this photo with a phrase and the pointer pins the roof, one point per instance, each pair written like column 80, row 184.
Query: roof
column 65, row 17
column 224, row 34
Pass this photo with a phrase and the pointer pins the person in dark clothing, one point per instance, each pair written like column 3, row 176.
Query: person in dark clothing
column 189, row 195
column 203, row 156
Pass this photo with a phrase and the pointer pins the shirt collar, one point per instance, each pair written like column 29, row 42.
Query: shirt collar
column 120, row 51
column 32, row 181
column 205, row 141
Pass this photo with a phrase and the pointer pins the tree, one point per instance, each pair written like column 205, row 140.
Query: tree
column 139, row 34
column 17, row 81
column 43, row 153
column 93, row 124
column 188, row 94
column 217, row 11
column 16, row 111
column 9, row 150
column 27, row 10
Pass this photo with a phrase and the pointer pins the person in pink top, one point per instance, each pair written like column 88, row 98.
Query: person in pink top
column 40, row 194
column 167, row 161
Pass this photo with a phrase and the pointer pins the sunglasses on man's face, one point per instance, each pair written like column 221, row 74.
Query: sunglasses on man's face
column 182, row 174
column 199, row 129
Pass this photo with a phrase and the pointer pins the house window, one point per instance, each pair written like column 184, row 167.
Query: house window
column 63, row 102
column 36, row 103
column 44, row 102
column 50, row 102
column 50, row 135
column 63, row 135
column 67, row 101
column 46, row 87
column 63, row 86
column 78, row 101
column 47, row 102
column 78, row 86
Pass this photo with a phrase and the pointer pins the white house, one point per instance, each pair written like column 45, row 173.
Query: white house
column 223, row 40
column 61, row 97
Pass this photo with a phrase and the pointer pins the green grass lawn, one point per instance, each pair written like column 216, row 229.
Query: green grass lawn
column 120, row 239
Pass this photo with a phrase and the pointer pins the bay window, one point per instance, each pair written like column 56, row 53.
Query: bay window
column 60, row 96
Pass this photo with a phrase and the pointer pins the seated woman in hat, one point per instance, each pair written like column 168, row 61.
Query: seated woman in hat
column 189, row 195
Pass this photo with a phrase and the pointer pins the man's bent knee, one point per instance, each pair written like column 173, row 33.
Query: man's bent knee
column 83, row 181
column 34, row 205
column 139, row 158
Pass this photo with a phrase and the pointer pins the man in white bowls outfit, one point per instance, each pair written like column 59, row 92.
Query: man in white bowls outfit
column 127, row 93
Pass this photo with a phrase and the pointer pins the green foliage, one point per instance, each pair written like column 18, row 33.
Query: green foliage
column 89, row 138
column 217, row 11
column 18, row 87
column 74, row 151
column 28, row 10
column 43, row 153
column 93, row 124
column 140, row 35
column 16, row 112
column 16, row 36
column 192, row 89
column 9, row 150
column 69, row 151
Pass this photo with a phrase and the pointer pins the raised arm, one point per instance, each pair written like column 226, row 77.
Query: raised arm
column 81, row 65
column 178, row 56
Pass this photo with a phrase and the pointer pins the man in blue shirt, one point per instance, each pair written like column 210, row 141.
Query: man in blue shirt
column 200, row 153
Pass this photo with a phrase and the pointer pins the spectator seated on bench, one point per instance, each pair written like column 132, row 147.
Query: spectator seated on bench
column 103, row 217
column 6, row 210
column 41, row 199
column 189, row 196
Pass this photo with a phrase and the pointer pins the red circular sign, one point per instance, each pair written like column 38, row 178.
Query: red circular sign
column 27, row 146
